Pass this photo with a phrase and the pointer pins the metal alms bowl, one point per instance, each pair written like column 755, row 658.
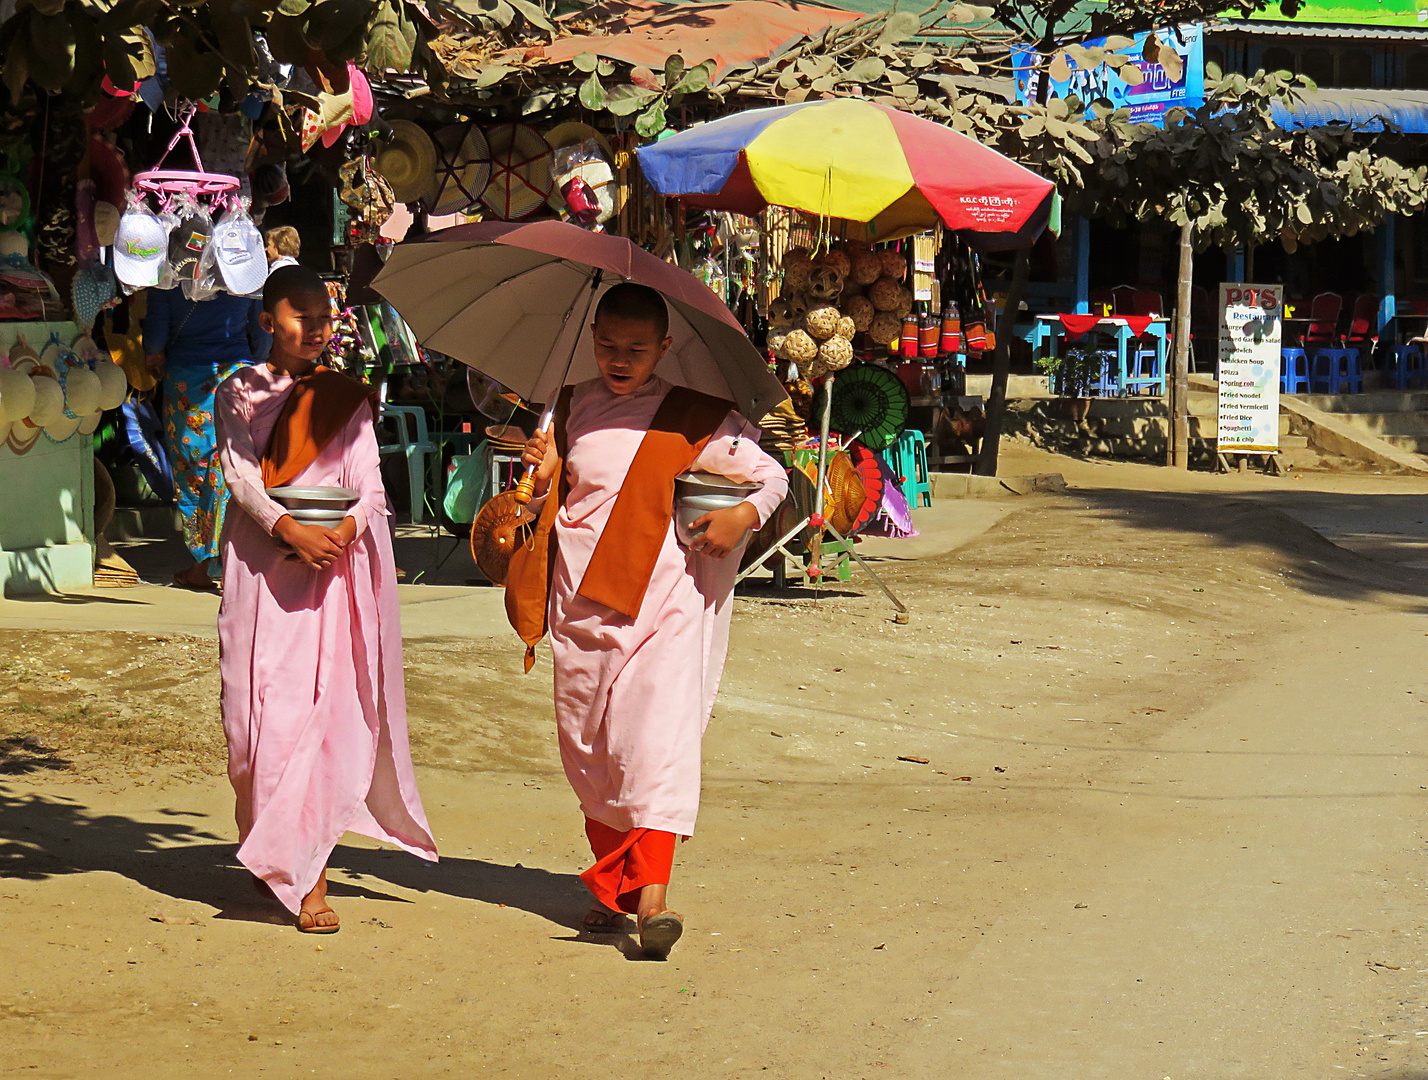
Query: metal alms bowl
column 690, row 508
column 703, row 483
column 315, row 498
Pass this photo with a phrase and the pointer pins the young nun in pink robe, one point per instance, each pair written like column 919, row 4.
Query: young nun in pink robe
column 313, row 704
column 633, row 696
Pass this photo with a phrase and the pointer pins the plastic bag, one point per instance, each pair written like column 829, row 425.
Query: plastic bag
column 586, row 182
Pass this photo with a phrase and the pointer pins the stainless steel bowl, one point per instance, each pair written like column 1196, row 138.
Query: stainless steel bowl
column 314, row 498
column 312, row 516
column 690, row 508
column 703, row 483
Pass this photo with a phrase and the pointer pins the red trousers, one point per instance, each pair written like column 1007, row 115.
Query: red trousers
column 625, row 862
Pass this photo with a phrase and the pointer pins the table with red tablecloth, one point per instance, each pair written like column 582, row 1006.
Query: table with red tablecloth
column 1067, row 327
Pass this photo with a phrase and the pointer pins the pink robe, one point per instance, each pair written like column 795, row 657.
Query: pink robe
column 633, row 697
column 313, row 704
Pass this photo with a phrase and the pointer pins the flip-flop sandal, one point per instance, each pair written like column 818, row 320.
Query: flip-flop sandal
column 659, row 933
column 315, row 927
column 603, row 922
column 193, row 586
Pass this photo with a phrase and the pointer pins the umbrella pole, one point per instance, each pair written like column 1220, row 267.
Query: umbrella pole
column 815, row 544
column 525, row 490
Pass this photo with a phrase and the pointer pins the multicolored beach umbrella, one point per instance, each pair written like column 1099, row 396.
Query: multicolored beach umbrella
column 857, row 161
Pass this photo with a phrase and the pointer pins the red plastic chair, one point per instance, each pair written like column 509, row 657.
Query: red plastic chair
column 1363, row 323
column 1147, row 302
column 1123, row 300
column 1323, row 320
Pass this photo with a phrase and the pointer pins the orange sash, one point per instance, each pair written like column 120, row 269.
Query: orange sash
column 317, row 408
column 625, row 555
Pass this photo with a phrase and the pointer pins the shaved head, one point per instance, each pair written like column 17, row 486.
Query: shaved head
column 291, row 283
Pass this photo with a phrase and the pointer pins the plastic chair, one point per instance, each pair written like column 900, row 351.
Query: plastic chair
column 1294, row 371
column 1123, row 300
column 1323, row 320
column 1410, row 367
column 1336, row 371
column 1108, row 384
column 909, row 464
column 1145, row 370
column 423, row 457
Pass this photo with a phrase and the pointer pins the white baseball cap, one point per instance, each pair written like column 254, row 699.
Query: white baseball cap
column 140, row 247
column 242, row 262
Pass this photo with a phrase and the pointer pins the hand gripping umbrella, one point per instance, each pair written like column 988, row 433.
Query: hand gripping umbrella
column 514, row 302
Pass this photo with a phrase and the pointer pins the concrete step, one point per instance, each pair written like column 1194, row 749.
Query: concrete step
column 1376, row 401
column 1414, row 444
column 1388, row 423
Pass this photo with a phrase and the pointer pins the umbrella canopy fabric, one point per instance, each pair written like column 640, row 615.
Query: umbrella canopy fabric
column 515, row 302
column 867, row 399
column 851, row 159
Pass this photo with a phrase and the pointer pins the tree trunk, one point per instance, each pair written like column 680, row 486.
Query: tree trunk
column 1001, row 366
column 1178, row 445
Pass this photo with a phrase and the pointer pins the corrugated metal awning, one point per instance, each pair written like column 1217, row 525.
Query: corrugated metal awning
column 1406, row 109
column 1292, row 30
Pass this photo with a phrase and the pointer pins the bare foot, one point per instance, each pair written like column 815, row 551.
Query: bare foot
column 600, row 921
column 316, row 917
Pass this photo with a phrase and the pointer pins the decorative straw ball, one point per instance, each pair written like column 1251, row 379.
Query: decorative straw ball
column 82, row 392
column 780, row 313
column 17, row 395
column 904, row 301
column 797, row 268
column 847, row 328
column 815, row 369
column 114, row 383
column 799, row 347
column 836, row 259
column 798, row 307
column 894, row 263
column 776, row 341
column 885, row 328
column 825, row 283
column 836, row 352
column 49, row 401
column 822, row 322
column 885, row 293
column 860, row 309
column 866, row 267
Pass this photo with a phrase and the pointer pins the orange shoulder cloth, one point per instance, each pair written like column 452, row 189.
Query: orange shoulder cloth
column 317, row 409
column 625, row 555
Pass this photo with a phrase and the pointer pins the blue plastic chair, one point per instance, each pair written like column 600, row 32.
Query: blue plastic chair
column 1146, row 373
column 1294, row 371
column 1336, row 371
column 1411, row 367
column 1109, row 383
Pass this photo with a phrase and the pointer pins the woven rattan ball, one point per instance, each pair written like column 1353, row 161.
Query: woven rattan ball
column 884, row 293
column 813, row 369
column 780, row 313
column 825, row 283
column 822, row 322
column 847, row 328
column 836, row 352
column 776, row 341
column 836, row 259
column 798, row 306
column 894, row 263
column 860, row 309
column 867, row 267
column 799, row 347
column 904, row 301
column 885, row 329
column 797, row 266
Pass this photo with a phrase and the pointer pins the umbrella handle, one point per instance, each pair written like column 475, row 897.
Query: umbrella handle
column 525, row 490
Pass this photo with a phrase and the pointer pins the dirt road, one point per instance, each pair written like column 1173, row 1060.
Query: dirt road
column 1169, row 825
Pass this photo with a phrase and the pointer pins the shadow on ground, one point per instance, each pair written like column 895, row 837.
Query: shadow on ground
column 45, row 836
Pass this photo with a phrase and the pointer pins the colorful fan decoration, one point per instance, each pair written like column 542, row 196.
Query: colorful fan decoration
column 870, row 470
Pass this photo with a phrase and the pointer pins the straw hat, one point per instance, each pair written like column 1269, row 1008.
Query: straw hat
column 106, row 222
column 408, row 161
column 463, row 169
column 572, row 132
column 520, row 171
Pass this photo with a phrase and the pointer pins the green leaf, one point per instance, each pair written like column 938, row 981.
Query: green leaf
column 491, row 74
column 534, row 15
column 592, row 94
column 287, row 40
column 625, row 100
column 815, row 66
column 673, row 70
column 696, row 80
column 651, row 122
column 900, row 26
column 293, row 7
column 604, row 69
column 869, row 69
column 330, row 24
column 51, row 53
column 88, row 55
column 390, row 39
column 17, row 64
column 235, row 39
column 585, row 62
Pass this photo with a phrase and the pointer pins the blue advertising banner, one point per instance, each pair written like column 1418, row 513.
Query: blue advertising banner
column 1147, row 102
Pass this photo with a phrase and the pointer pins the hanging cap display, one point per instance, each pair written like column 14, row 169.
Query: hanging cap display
column 139, row 249
column 242, row 262
column 186, row 244
column 408, row 161
column 520, row 171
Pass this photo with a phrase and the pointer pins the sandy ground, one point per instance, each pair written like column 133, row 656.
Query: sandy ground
column 1169, row 824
